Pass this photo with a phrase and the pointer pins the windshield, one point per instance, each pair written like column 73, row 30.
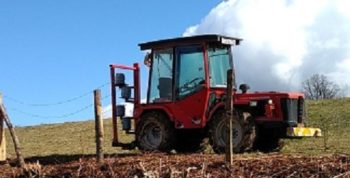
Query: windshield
column 219, row 63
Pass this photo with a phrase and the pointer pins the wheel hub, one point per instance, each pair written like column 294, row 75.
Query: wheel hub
column 153, row 135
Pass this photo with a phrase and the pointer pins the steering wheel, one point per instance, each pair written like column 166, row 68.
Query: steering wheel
column 188, row 86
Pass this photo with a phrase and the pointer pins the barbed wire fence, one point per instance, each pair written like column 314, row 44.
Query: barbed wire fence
column 56, row 104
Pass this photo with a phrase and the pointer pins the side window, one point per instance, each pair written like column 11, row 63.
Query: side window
column 190, row 70
column 219, row 63
column 161, row 76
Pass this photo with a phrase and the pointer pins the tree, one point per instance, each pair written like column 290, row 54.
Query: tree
column 319, row 87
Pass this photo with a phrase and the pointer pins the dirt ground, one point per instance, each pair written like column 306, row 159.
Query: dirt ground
column 191, row 165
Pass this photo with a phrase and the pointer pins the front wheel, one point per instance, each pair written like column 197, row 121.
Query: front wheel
column 155, row 132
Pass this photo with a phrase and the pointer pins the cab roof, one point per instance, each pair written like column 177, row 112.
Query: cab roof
column 208, row 38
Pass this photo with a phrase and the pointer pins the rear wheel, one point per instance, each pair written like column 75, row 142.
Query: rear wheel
column 155, row 132
column 244, row 134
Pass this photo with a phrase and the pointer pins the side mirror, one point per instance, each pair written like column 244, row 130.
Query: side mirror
column 147, row 60
column 244, row 88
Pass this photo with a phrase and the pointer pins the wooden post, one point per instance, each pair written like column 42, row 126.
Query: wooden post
column 229, row 115
column 5, row 117
column 2, row 137
column 98, row 125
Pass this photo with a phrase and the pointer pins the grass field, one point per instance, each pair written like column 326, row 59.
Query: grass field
column 77, row 138
column 63, row 139
column 333, row 117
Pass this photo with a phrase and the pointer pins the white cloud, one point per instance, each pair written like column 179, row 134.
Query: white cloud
column 341, row 75
column 129, row 109
column 107, row 111
column 285, row 41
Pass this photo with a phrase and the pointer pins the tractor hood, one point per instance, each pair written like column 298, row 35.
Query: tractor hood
column 246, row 98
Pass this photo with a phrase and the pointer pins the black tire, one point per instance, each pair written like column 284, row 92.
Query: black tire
column 243, row 130
column 155, row 132
column 268, row 140
column 190, row 141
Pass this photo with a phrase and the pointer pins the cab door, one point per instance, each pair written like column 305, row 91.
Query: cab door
column 190, row 92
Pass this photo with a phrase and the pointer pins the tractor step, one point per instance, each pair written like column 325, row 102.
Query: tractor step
column 303, row 132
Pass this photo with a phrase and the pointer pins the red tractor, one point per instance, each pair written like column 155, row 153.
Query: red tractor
column 186, row 101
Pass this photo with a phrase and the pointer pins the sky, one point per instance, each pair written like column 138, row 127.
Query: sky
column 285, row 41
column 54, row 53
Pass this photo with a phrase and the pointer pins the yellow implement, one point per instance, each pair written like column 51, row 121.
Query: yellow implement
column 303, row 132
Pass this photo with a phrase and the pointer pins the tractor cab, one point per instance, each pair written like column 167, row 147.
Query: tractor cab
column 183, row 74
column 185, row 66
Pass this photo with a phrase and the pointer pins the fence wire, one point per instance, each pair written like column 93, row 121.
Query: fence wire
column 65, row 115
column 69, row 100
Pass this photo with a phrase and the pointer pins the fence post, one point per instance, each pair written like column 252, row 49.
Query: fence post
column 2, row 137
column 229, row 114
column 98, row 125
column 4, row 116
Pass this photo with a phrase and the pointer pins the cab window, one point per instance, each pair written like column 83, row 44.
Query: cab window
column 190, row 70
column 219, row 63
column 161, row 82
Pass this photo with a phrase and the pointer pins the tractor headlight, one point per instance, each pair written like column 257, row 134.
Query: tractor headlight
column 270, row 101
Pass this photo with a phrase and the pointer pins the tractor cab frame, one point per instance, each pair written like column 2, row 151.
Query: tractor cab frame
column 187, row 92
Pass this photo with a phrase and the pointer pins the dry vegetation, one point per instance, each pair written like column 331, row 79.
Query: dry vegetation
column 65, row 150
column 195, row 165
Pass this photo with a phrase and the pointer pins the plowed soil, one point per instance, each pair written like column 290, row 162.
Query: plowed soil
column 191, row 165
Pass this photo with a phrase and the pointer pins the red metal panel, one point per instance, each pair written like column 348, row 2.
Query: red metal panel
column 166, row 107
column 187, row 113
column 122, row 67
column 190, row 111
column 262, row 95
column 207, row 84
column 137, row 89
column 137, row 96
column 206, row 66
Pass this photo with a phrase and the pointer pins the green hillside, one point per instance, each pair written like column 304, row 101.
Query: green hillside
column 333, row 116
column 64, row 139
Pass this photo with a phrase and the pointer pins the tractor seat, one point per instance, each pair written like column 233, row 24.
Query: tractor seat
column 165, row 88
